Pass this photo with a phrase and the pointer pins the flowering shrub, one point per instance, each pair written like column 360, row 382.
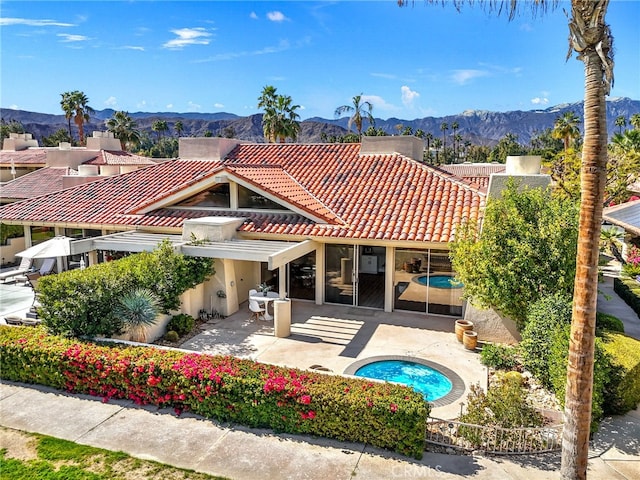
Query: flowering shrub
column 222, row 387
column 632, row 267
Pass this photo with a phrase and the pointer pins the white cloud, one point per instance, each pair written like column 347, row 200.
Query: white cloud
column 283, row 46
column 33, row 22
column 218, row 105
column 408, row 96
column 169, row 105
column 111, row 101
column 253, row 15
column 276, row 16
column 141, row 104
column 462, row 77
column 378, row 102
column 68, row 38
column 188, row 36
column 193, row 107
column 133, row 47
column 539, row 101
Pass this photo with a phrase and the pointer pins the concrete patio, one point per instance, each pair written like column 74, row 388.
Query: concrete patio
column 332, row 337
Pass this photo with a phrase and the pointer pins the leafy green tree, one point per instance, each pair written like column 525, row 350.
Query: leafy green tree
column 360, row 110
column 56, row 138
column 12, row 126
column 566, row 128
column 545, row 145
column 526, row 249
column 138, row 311
column 635, row 121
column 623, row 168
column 75, row 105
column 125, row 129
column 565, row 172
column 507, row 145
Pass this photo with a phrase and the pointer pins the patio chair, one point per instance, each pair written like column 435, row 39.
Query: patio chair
column 24, row 267
column 256, row 310
column 47, row 266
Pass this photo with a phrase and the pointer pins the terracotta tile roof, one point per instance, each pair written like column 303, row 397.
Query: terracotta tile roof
column 275, row 180
column 385, row 197
column 30, row 157
column 473, row 169
column 40, row 182
column 106, row 157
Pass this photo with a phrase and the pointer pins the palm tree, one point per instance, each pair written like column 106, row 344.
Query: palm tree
column 635, row 121
column 160, row 126
column 621, row 123
column 178, row 127
column 590, row 37
column 612, row 237
column 455, row 126
column 125, row 129
column 566, row 129
column 76, row 104
column 138, row 310
column 280, row 119
column 359, row 109
column 437, row 144
column 444, row 126
column 429, row 138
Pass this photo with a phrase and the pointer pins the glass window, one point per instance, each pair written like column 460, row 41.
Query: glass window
column 250, row 199
column 302, row 277
column 217, row 197
column 424, row 282
column 41, row 234
column 339, row 274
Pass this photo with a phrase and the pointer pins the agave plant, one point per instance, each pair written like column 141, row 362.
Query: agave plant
column 138, row 310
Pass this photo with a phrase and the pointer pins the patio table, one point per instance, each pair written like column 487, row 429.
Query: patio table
column 265, row 300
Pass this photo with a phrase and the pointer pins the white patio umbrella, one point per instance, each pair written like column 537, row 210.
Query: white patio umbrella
column 54, row 247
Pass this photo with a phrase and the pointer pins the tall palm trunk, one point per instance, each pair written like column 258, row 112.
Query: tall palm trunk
column 577, row 413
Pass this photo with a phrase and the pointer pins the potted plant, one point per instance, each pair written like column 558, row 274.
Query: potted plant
column 264, row 288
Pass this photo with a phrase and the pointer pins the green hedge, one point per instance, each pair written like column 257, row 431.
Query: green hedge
column 225, row 388
column 625, row 354
column 81, row 303
column 628, row 290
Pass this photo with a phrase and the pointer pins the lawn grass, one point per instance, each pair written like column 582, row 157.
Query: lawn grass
column 28, row 456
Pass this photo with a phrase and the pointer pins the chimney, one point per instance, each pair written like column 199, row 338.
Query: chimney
column 525, row 169
column 406, row 145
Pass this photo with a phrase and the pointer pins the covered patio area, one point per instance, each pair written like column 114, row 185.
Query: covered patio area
column 329, row 338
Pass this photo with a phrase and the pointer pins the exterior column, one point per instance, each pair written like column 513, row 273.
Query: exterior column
column 320, row 274
column 282, row 281
column 389, row 271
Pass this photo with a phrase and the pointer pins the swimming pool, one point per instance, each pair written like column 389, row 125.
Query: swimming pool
column 426, row 380
column 438, row 281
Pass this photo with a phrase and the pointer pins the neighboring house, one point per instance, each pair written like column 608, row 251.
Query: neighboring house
column 625, row 215
column 475, row 173
column 365, row 224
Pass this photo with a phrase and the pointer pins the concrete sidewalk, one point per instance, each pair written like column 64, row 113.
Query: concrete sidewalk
column 240, row 453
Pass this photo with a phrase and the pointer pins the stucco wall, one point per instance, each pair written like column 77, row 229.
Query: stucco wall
column 491, row 326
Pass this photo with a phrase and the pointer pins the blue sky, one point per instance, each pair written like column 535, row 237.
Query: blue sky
column 209, row 56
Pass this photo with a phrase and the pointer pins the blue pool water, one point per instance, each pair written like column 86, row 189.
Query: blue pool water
column 426, row 380
column 439, row 281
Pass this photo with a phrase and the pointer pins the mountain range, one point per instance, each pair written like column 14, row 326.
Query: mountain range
column 479, row 126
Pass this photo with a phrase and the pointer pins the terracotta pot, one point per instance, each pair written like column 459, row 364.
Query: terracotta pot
column 461, row 327
column 470, row 339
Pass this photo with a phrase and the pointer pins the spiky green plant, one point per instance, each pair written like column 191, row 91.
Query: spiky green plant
column 138, row 310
